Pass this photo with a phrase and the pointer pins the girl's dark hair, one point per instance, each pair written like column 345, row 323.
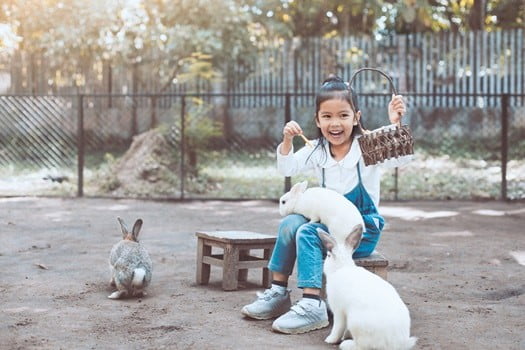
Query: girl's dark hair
column 336, row 87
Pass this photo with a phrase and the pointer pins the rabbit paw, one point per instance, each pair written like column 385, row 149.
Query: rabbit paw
column 117, row 295
column 347, row 345
column 332, row 339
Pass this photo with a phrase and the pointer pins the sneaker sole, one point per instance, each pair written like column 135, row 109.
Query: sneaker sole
column 304, row 329
column 264, row 316
column 254, row 316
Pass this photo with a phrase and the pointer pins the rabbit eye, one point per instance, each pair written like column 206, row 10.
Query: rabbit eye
column 283, row 202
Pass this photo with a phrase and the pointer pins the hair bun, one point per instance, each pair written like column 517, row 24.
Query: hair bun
column 332, row 78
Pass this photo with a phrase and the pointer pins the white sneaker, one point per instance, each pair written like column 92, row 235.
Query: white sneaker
column 269, row 304
column 305, row 316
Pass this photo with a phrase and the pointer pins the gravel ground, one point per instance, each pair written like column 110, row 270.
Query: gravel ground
column 459, row 266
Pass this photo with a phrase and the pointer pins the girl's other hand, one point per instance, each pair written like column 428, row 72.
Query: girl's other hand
column 396, row 108
column 290, row 130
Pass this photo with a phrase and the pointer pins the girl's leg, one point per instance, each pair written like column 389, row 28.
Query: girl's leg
column 374, row 224
column 310, row 256
column 284, row 253
column 310, row 312
column 276, row 300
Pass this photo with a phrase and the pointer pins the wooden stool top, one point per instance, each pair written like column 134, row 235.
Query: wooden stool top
column 236, row 237
column 375, row 259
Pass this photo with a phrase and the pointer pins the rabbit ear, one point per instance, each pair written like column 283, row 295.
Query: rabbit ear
column 354, row 238
column 328, row 241
column 123, row 227
column 136, row 228
column 303, row 185
column 299, row 187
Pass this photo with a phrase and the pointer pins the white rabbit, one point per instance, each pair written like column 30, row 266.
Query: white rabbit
column 129, row 263
column 322, row 204
column 362, row 303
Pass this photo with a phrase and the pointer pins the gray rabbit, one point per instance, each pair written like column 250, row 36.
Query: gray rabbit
column 129, row 263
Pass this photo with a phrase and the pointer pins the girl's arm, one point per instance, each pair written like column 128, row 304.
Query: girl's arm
column 396, row 109
column 290, row 163
column 290, row 130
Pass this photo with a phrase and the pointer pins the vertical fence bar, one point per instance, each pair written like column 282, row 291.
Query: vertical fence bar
column 153, row 122
column 287, row 118
column 396, row 184
column 134, row 123
column 504, row 143
column 80, row 146
column 182, row 143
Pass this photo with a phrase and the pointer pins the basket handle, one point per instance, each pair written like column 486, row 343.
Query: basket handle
column 394, row 91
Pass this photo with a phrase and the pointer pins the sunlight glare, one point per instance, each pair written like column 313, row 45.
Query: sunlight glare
column 453, row 234
column 489, row 212
column 407, row 213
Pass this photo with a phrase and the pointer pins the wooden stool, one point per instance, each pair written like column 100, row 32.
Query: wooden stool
column 236, row 259
column 375, row 263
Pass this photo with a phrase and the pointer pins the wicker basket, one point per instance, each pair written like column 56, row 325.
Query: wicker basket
column 387, row 142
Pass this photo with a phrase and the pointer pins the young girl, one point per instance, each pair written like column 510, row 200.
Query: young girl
column 337, row 161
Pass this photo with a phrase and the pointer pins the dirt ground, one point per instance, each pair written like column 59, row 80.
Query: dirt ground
column 459, row 266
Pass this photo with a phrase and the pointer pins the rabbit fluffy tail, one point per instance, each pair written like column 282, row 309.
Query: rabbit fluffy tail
column 139, row 275
column 411, row 342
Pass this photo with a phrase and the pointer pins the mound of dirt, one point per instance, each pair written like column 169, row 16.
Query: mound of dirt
column 149, row 167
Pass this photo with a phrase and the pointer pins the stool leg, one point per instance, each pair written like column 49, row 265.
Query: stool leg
column 323, row 288
column 203, row 270
column 381, row 272
column 266, row 273
column 243, row 273
column 229, row 269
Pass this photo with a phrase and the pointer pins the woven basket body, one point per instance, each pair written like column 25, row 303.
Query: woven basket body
column 387, row 142
column 379, row 145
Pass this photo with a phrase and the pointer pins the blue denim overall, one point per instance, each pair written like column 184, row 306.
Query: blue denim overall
column 298, row 238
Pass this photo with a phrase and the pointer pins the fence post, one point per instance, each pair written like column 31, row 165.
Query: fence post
column 396, row 185
column 80, row 146
column 134, row 123
column 182, row 143
column 153, row 121
column 287, row 118
column 504, row 143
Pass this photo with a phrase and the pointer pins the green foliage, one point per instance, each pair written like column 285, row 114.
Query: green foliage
column 199, row 132
column 285, row 18
column 487, row 148
column 78, row 33
column 289, row 19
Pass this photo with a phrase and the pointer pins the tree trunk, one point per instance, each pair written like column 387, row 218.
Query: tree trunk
column 476, row 19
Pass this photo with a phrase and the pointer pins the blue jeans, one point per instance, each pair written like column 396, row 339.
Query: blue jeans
column 298, row 239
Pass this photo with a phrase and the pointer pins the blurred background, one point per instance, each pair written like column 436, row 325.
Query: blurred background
column 187, row 99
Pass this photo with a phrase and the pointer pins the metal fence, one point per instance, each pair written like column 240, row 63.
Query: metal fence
column 436, row 63
column 189, row 146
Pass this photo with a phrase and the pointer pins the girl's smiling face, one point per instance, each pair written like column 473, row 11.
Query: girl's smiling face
column 336, row 121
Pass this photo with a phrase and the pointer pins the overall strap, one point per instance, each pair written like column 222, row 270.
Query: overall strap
column 323, row 178
column 359, row 172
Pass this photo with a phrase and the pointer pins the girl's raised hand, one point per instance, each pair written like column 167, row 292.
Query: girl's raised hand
column 290, row 130
column 396, row 108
